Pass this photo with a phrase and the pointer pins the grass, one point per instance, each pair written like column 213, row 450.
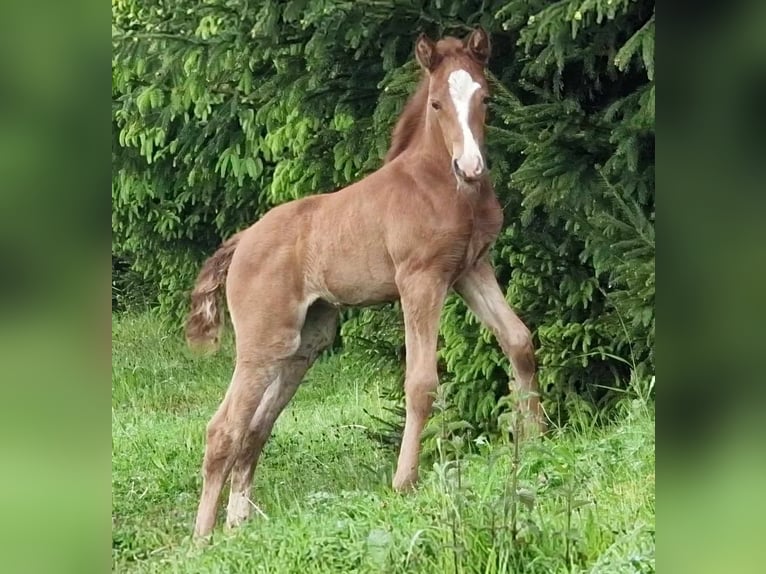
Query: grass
column 582, row 500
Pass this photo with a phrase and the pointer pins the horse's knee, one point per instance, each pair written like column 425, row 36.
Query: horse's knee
column 517, row 336
column 521, row 350
column 419, row 388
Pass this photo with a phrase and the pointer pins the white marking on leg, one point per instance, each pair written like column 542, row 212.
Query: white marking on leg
column 238, row 509
column 461, row 88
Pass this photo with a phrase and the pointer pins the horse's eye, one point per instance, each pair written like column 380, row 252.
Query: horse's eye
column 486, row 100
column 436, row 105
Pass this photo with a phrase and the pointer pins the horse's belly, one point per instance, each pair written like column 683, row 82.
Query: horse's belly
column 354, row 293
column 353, row 296
column 357, row 281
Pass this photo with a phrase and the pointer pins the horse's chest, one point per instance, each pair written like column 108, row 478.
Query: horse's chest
column 485, row 226
column 483, row 235
column 462, row 247
column 451, row 238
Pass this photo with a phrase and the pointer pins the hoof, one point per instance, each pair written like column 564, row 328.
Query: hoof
column 201, row 540
column 532, row 428
column 405, row 484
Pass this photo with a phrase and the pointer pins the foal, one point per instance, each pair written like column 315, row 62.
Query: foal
column 414, row 229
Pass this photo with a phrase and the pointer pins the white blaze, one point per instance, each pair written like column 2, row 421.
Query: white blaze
column 461, row 88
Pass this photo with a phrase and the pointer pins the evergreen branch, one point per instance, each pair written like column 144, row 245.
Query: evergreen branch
column 127, row 36
column 644, row 38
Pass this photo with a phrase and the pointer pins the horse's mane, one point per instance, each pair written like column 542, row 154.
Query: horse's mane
column 409, row 121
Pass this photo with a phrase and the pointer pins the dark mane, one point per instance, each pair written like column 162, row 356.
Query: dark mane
column 409, row 121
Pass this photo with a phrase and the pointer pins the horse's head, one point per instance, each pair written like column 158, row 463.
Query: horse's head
column 457, row 96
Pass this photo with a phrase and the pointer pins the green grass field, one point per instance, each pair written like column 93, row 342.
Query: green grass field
column 581, row 500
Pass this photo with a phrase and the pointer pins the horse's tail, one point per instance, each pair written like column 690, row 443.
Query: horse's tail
column 205, row 321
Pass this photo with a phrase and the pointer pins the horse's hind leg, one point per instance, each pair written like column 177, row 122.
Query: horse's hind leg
column 264, row 338
column 317, row 335
column 225, row 435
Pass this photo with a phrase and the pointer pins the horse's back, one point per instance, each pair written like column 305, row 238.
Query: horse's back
column 328, row 246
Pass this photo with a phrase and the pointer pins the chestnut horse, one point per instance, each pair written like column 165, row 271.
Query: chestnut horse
column 414, row 229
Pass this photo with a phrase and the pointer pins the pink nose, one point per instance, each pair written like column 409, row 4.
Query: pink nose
column 474, row 170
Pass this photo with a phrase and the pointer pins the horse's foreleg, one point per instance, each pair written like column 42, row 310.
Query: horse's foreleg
column 481, row 292
column 422, row 298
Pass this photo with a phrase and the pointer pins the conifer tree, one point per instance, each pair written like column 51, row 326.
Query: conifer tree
column 225, row 108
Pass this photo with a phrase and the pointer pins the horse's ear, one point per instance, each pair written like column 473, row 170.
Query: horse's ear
column 477, row 44
column 425, row 52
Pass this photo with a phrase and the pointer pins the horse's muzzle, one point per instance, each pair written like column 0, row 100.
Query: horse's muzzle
column 471, row 177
